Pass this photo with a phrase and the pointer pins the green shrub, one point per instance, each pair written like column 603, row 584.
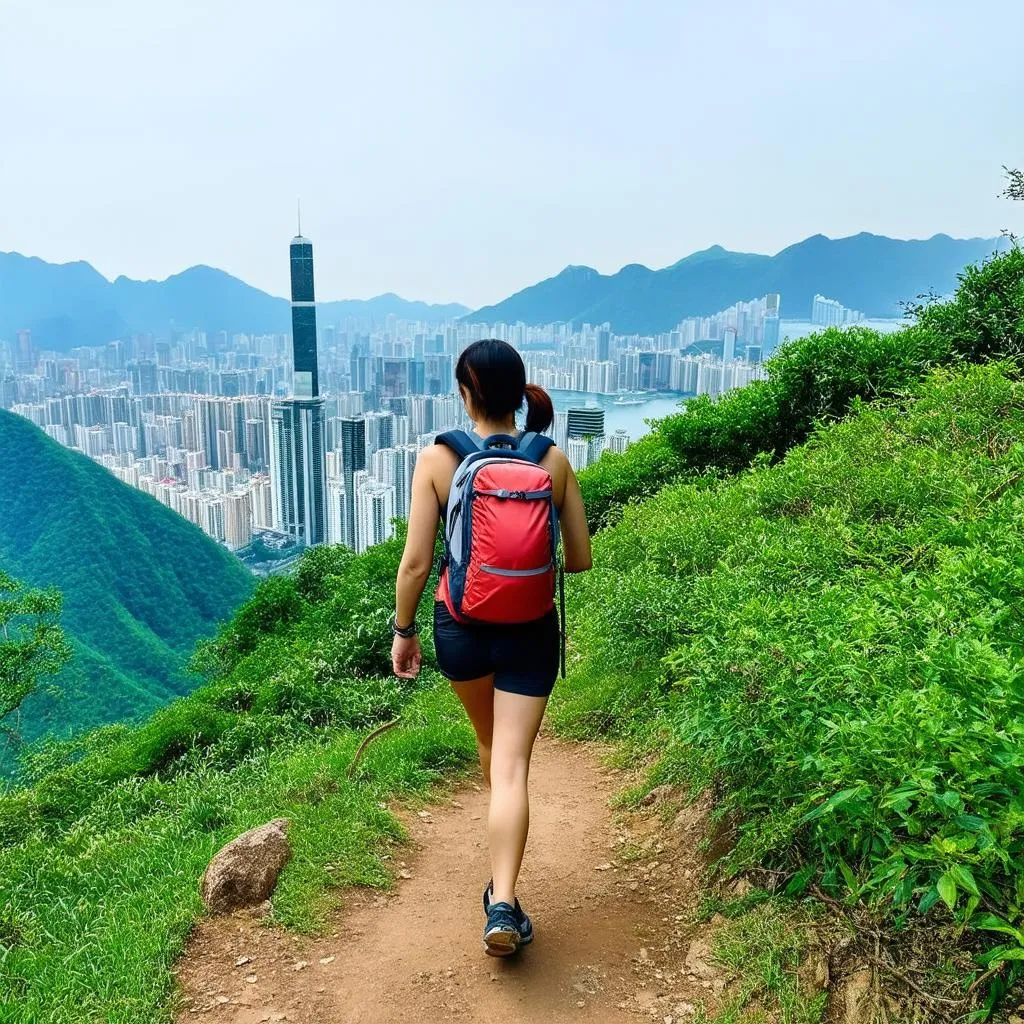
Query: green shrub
column 841, row 648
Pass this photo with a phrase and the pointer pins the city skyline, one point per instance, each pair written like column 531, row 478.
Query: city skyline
column 602, row 134
column 235, row 434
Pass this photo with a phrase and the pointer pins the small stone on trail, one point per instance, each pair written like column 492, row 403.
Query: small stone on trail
column 580, row 1003
column 251, row 979
column 223, row 999
column 656, row 796
column 243, row 960
column 423, row 814
column 326, row 960
column 243, row 873
column 405, row 874
column 300, row 965
column 603, row 867
column 455, row 803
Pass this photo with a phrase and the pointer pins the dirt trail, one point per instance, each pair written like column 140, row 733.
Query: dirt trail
column 611, row 938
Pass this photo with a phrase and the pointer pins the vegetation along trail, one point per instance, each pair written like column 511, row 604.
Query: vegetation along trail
column 602, row 921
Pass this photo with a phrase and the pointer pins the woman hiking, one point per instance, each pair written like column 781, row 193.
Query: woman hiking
column 504, row 497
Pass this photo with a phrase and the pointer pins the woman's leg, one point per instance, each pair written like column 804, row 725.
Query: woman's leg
column 516, row 722
column 477, row 696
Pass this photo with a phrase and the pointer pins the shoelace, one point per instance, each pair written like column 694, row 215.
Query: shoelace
column 501, row 915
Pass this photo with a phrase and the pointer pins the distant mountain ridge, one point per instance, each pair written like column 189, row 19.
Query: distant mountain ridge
column 73, row 304
column 69, row 304
column 872, row 273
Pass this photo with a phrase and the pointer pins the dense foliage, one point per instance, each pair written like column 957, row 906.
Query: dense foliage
column 140, row 584
column 32, row 647
column 840, row 652
column 814, row 380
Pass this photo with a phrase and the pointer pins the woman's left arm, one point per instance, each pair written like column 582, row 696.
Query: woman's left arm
column 414, row 569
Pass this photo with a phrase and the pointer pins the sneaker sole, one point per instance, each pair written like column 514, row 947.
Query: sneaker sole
column 502, row 943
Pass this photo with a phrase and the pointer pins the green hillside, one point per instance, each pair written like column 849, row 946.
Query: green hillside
column 140, row 584
column 805, row 600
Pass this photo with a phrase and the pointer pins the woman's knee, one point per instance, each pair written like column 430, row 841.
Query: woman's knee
column 508, row 768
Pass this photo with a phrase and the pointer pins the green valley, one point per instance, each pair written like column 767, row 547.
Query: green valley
column 140, row 584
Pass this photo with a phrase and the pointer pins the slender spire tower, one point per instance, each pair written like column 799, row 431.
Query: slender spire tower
column 305, row 381
column 298, row 470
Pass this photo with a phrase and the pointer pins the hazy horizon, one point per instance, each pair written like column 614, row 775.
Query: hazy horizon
column 463, row 152
column 321, row 298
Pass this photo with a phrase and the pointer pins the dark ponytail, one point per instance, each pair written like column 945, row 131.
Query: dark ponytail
column 540, row 412
column 493, row 374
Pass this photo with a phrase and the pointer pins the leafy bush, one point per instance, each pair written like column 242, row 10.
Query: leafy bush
column 815, row 379
column 841, row 650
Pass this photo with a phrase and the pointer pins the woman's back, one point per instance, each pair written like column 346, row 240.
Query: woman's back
column 440, row 463
column 502, row 667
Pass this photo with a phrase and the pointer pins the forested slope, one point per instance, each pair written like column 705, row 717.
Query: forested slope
column 141, row 585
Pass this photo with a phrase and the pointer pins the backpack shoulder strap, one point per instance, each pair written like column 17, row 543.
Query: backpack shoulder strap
column 534, row 446
column 460, row 442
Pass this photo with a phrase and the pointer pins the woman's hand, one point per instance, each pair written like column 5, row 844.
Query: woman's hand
column 406, row 657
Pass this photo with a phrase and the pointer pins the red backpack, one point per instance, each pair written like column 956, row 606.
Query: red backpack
column 501, row 530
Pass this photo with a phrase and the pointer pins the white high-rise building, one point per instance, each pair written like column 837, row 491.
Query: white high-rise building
column 238, row 507
column 375, row 512
column 830, row 312
column 577, row 450
column 618, row 441
column 336, row 510
column 729, row 345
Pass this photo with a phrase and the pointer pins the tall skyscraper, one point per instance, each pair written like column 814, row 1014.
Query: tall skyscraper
column 305, row 379
column 353, row 460
column 729, row 345
column 297, row 459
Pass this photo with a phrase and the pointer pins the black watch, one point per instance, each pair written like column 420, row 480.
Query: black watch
column 404, row 632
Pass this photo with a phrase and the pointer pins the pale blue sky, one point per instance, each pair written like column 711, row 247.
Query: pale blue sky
column 454, row 150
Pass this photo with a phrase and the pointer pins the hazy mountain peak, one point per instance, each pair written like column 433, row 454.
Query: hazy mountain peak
column 578, row 270
column 868, row 272
column 73, row 304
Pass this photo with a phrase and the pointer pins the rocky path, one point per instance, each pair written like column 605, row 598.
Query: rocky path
column 610, row 906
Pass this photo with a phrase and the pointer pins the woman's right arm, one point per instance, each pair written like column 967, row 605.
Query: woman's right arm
column 573, row 519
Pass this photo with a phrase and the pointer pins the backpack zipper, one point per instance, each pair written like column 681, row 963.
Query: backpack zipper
column 496, row 571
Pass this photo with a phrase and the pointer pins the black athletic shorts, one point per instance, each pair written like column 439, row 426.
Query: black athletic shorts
column 523, row 657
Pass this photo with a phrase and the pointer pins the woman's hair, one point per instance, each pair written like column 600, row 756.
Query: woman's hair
column 492, row 372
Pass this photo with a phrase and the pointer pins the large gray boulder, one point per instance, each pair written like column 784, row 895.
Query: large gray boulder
column 244, row 873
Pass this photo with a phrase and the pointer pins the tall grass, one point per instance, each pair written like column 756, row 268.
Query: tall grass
column 834, row 643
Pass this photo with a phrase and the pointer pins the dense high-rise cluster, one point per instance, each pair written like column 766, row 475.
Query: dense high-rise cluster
column 271, row 443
